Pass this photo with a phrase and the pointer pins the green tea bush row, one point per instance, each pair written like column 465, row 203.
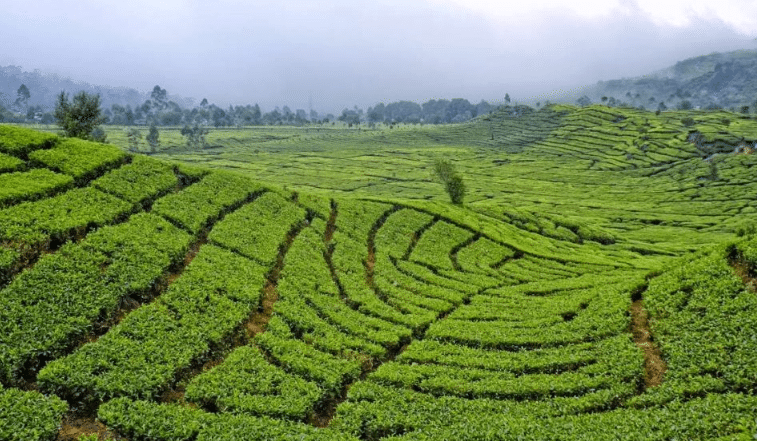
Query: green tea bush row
column 374, row 411
column 83, row 160
column 143, row 180
column 704, row 320
column 310, row 327
column 401, row 296
column 34, row 184
column 29, row 416
column 603, row 317
column 200, row 204
column 396, row 234
column 171, row 422
column 356, row 218
column 482, row 255
column 436, row 244
column 10, row 163
column 390, row 274
column 306, row 272
column 549, row 360
column 61, row 217
column 9, row 260
column 297, row 357
column 712, row 417
column 48, row 307
column 265, row 223
column 143, row 353
column 246, row 383
column 18, row 141
column 616, row 361
column 520, row 307
column 349, row 259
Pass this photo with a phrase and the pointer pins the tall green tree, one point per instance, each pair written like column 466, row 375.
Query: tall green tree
column 81, row 117
column 452, row 181
column 22, row 97
column 153, row 138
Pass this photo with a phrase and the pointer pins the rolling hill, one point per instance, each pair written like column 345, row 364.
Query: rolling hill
column 315, row 284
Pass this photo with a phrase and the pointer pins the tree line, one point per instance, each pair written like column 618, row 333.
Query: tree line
column 159, row 110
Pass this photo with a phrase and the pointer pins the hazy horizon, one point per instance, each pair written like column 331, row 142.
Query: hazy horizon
column 339, row 54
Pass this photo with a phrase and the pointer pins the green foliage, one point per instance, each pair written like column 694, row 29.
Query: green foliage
column 153, row 138
column 704, row 320
column 92, row 276
column 10, row 163
column 196, row 206
column 296, row 357
column 81, row 159
column 507, row 323
column 158, row 421
column 34, row 184
column 711, row 417
column 247, row 383
column 170, row 422
column 134, row 136
column 80, row 117
column 139, row 356
column 452, row 181
column 195, row 136
column 18, row 141
column 140, row 182
column 266, row 220
column 27, row 416
column 437, row 243
column 602, row 317
column 61, row 217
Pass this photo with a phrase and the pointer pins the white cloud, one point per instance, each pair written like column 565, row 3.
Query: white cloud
column 739, row 15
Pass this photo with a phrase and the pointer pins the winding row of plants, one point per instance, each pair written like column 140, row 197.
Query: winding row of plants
column 178, row 303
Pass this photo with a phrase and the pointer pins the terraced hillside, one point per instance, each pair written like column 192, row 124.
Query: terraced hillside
column 145, row 299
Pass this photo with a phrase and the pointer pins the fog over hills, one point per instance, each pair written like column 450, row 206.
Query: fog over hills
column 342, row 53
column 717, row 80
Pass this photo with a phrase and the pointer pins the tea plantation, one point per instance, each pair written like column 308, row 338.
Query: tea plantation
column 598, row 283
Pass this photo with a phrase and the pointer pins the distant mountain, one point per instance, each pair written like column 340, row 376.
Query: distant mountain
column 43, row 89
column 727, row 80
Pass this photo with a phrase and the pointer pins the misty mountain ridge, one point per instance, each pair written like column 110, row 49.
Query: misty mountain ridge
column 718, row 80
column 45, row 87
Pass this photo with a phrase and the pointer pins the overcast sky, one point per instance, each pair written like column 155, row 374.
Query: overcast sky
column 346, row 52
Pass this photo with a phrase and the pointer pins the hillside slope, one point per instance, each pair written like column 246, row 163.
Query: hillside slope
column 724, row 80
column 174, row 302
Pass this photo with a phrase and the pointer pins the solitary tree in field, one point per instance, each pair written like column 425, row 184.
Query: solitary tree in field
column 452, row 181
column 195, row 136
column 134, row 136
column 153, row 138
column 81, row 117
column 22, row 97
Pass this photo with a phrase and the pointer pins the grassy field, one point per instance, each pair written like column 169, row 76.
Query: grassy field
column 315, row 283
